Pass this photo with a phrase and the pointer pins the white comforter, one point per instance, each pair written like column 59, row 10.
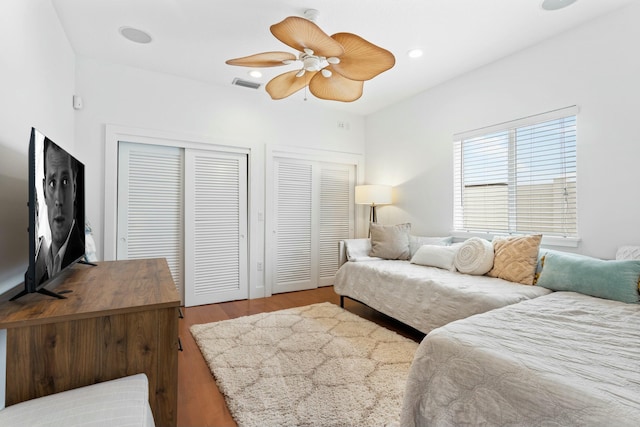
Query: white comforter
column 426, row 297
column 564, row 359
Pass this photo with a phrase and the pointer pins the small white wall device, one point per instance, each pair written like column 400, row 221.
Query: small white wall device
column 77, row 102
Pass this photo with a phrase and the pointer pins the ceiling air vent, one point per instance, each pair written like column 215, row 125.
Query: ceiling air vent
column 245, row 83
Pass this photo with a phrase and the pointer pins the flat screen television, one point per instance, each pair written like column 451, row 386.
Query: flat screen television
column 56, row 213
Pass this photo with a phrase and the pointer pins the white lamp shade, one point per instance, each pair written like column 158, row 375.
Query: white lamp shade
column 373, row 195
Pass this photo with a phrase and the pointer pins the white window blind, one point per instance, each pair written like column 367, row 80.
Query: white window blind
column 518, row 177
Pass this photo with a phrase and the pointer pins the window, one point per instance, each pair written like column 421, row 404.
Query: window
column 518, row 177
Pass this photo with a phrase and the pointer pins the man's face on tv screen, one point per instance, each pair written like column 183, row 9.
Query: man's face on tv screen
column 59, row 192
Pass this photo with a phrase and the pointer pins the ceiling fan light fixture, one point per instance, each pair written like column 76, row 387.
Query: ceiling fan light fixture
column 256, row 74
column 311, row 14
column 556, row 4
column 415, row 53
column 326, row 73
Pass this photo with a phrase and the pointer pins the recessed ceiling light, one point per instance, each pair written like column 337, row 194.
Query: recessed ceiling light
column 556, row 4
column 415, row 53
column 255, row 74
column 135, row 35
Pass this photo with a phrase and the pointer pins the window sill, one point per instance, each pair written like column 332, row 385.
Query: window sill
column 567, row 242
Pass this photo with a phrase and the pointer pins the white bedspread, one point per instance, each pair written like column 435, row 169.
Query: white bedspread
column 564, row 359
column 426, row 297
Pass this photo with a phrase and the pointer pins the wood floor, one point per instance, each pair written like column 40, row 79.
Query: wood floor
column 200, row 404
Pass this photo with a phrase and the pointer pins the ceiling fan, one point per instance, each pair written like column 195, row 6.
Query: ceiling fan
column 335, row 68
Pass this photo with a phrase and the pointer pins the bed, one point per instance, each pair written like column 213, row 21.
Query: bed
column 562, row 359
column 426, row 297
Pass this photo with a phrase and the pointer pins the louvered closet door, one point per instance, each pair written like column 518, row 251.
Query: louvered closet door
column 150, row 197
column 337, row 216
column 215, row 227
column 313, row 210
column 293, row 196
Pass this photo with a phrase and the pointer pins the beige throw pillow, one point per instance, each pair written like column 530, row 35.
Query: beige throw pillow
column 390, row 241
column 516, row 258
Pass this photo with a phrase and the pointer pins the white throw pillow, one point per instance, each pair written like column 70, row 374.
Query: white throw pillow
column 474, row 256
column 357, row 248
column 436, row 256
column 415, row 242
column 628, row 252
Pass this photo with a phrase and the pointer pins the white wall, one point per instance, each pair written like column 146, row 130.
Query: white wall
column 595, row 66
column 235, row 116
column 36, row 87
column 37, row 84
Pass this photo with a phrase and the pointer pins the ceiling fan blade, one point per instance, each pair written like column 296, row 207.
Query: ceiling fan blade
column 335, row 88
column 266, row 59
column 362, row 60
column 287, row 84
column 300, row 33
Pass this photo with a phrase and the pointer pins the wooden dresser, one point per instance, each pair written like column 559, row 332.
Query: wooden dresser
column 119, row 318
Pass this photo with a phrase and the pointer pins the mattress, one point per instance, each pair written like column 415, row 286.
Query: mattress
column 423, row 297
column 563, row 359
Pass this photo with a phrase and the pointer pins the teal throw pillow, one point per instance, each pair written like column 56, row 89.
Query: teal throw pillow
column 614, row 280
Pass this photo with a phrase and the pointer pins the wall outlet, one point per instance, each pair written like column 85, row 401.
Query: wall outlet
column 259, row 266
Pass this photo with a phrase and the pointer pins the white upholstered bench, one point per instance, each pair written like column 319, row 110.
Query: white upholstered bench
column 121, row 402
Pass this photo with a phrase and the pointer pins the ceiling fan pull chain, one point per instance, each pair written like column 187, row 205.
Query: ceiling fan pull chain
column 305, row 87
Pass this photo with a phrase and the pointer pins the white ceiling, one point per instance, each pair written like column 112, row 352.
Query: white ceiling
column 193, row 38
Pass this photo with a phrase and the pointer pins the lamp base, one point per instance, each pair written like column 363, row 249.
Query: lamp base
column 372, row 216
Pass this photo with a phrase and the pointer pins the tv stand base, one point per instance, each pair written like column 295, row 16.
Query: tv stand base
column 40, row 291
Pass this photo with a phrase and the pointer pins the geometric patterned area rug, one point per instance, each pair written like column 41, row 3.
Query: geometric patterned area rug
column 317, row 365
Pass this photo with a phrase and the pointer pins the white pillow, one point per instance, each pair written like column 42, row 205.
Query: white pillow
column 90, row 244
column 436, row 256
column 365, row 258
column 474, row 256
column 357, row 248
column 415, row 242
column 628, row 252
